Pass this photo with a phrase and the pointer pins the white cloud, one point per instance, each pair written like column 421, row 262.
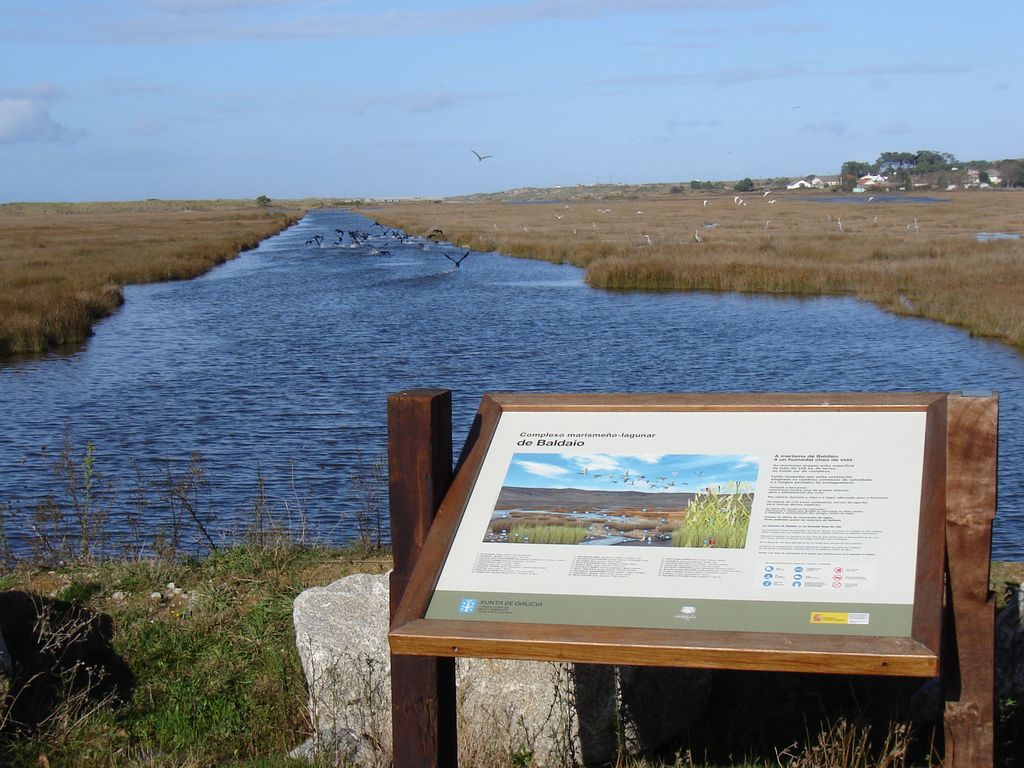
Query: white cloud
column 25, row 117
column 541, row 469
column 214, row 6
column 592, row 462
column 430, row 102
column 193, row 20
column 647, row 458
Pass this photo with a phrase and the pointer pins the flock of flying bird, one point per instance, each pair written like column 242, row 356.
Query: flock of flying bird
column 627, row 477
column 379, row 244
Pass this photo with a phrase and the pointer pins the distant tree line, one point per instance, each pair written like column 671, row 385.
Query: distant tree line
column 710, row 186
column 902, row 167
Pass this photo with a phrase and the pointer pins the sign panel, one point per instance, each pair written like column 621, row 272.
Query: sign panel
column 761, row 531
column 760, row 522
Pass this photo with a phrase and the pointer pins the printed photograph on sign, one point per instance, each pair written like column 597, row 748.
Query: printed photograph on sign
column 659, row 500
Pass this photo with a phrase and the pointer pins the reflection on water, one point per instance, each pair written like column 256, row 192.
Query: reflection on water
column 985, row 237
column 276, row 367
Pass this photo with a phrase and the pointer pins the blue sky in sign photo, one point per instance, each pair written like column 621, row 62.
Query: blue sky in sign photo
column 649, row 473
column 129, row 99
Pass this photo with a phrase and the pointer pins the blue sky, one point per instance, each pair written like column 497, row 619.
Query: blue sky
column 129, row 99
column 651, row 473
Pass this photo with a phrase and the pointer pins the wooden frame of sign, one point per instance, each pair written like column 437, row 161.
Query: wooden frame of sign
column 828, row 636
column 948, row 442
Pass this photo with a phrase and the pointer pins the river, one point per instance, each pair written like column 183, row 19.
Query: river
column 274, row 369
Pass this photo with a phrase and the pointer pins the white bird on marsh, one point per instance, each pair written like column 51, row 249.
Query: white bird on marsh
column 705, row 203
column 697, row 237
column 648, row 238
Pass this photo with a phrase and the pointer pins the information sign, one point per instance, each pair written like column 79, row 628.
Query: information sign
column 757, row 530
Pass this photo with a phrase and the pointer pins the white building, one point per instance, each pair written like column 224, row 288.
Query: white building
column 814, row 183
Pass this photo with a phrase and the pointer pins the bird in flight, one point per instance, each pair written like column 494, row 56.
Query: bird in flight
column 480, row 157
column 458, row 262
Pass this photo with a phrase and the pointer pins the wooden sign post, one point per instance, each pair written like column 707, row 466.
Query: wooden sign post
column 575, row 530
column 419, row 473
column 969, row 665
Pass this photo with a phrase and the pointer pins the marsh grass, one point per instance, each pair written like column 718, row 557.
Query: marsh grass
column 62, row 266
column 845, row 745
column 918, row 259
column 75, row 514
column 716, row 519
column 547, row 534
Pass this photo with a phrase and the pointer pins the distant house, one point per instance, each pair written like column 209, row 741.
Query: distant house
column 974, row 178
column 814, row 183
column 871, row 181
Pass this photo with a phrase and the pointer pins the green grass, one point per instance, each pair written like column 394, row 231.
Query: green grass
column 547, row 534
column 716, row 519
column 218, row 677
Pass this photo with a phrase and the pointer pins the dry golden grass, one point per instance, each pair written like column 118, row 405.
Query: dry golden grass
column 62, row 266
column 919, row 259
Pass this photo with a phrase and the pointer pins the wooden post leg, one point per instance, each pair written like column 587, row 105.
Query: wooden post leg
column 419, row 473
column 969, row 674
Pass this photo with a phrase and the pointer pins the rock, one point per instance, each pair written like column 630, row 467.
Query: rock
column 341, row 633
column 555, row 714
column 335, row 746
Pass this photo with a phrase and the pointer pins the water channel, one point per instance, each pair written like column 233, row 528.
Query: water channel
column 275, row 369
